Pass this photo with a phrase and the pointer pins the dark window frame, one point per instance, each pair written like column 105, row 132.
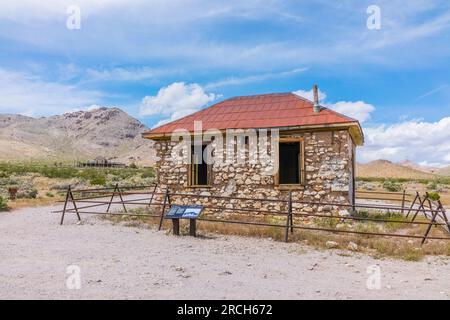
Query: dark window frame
column 193, row 174
column 301, row 162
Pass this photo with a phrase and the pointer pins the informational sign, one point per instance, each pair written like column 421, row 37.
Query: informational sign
column 184, row 212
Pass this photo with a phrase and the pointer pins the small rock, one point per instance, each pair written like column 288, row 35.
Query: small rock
column 344, row 213
column 352, row 246
column 331, row 244
column 341, row 226
column 181, row 269
column 226, row 273
column 388, row 287
column 313, row 266
column 92, row 281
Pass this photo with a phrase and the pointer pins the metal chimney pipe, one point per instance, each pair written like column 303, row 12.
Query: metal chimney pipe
column 316, row 99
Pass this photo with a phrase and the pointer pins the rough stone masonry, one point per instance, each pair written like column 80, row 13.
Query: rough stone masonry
column 328, row 161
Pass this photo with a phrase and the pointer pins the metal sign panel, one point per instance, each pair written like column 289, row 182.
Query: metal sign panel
column 184, row 212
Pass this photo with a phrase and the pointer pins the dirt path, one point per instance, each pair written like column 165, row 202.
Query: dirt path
column 124, row 262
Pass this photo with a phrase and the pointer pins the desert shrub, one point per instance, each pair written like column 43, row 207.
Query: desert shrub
column 113, row 178
column 392, row 186
column 388, row 218
column 33, row 193
column 148, row 174
column 432, row 185
column 93, row 176
column 27, row 194
column 440, row 180
column 3, row 204
column 133, row 166
column 97, row 180
column 9, row 181
column 60, row 186
column 49, row 194
column 58, row 172
column 434, row 196
column 360, row 214
column 327, row 222
column 74, row 183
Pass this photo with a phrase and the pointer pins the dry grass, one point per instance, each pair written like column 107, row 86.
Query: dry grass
column 376, row 246
column 38, row 202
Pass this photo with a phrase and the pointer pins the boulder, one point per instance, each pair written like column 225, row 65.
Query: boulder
column 331, row 244
column 352, row 246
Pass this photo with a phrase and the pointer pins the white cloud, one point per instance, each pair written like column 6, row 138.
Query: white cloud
column 417, row 141
column 139, row 30
column 127, row 74
column 28, row 94
column 236, row 81
column 175, row 101
column 358, row 110
column 433, row 91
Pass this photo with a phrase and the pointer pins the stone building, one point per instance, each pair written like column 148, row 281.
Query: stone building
column 260, row 147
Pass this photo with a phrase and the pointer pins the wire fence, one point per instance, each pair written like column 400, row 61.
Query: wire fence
column 83, row 202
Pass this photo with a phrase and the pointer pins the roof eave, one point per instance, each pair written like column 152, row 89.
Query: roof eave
column 353, row 127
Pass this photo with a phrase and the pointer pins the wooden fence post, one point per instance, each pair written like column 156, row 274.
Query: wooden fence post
column 429, row 227
column 288, row 218
column 75, row 205
column 444, row 214
column 421, row 207
column 403, row 201
column 153, row 193
column 69, row 197
column 413, row 203
column 121, row 199
column 166, row 196
column 65, row 205
column 112, row 197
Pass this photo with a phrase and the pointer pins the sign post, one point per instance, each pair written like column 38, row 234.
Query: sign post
column 184, row 212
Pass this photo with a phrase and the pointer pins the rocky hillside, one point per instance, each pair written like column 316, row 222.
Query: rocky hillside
column 387, row 169
column 444, row 171
column 82, row 135
column 410, row 164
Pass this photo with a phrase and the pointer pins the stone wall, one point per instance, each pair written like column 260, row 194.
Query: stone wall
column 328, row 176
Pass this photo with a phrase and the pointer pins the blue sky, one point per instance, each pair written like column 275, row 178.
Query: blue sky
column 159, row 60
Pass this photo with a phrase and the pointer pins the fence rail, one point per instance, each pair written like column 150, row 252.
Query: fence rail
column 433, row 211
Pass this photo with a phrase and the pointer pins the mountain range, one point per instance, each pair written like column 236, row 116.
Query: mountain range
column 404, row 169
column 83, row 135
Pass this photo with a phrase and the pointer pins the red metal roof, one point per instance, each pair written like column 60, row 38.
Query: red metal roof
column 259, row 111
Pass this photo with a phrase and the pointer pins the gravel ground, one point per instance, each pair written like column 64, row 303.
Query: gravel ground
column 118, row 262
